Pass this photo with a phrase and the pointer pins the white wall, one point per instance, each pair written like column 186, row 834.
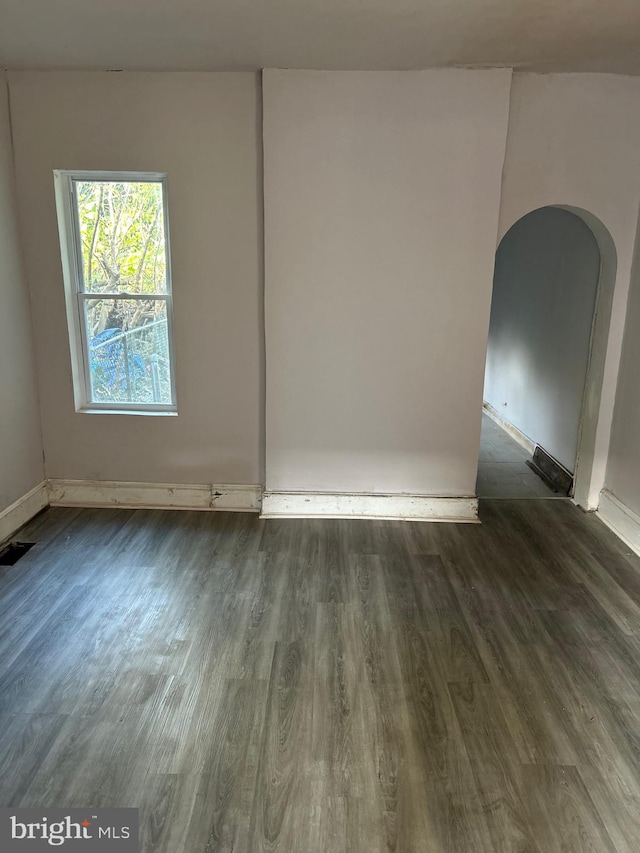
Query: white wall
column 381, row 207
column 382, row 197
column 201, row 129
column 21, row 466
column 574, row 139
column 623, row 472
column 544, row 294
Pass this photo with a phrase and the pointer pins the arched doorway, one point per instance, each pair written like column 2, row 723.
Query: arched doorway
column 553, row 286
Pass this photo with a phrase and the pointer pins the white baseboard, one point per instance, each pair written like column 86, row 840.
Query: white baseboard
column 103, row 493
column 394, row 506
column 234, row 498
column 20, row 511
column 618, row 517
column 514, row 432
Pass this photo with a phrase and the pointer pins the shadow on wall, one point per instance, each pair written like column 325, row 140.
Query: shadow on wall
column 554, row 273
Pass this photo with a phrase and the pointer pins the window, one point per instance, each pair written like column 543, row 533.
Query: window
column 115, row 250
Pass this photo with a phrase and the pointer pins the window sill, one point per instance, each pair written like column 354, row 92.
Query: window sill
column 163, row 413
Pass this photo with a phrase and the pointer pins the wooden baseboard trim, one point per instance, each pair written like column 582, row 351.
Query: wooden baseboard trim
column 624, row 522
column 392, row 507
column 234, row 498
column 22, row 510
column 103, row 493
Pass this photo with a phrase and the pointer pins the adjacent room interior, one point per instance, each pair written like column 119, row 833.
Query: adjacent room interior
column 319, row 434
column 545, row 287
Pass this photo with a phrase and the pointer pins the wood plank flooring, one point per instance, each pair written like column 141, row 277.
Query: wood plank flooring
column 328, row 686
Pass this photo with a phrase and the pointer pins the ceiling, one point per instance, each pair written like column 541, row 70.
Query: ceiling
column 543, row 35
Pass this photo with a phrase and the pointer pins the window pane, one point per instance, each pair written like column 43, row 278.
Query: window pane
column 121, row 236
column 128, row 350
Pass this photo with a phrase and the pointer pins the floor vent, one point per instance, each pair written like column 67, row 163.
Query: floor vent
column 551, row 471
column 12, row 553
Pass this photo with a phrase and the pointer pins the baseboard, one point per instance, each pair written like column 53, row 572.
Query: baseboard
column 22, row 510
column 514, row 432
column 624, row 522
column 103, row 493
column 395, row 506
column 234, row 498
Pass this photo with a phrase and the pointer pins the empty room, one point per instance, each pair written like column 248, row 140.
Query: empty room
column 320, row 426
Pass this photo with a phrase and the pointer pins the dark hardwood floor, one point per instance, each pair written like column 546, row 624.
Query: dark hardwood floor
column 320, row 686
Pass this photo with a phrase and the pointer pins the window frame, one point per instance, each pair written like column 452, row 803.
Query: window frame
column 76, row 294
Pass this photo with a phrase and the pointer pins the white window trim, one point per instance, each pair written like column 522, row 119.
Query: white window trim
column 75, row 294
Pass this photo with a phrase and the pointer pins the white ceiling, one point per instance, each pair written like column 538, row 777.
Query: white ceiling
column 563, row 35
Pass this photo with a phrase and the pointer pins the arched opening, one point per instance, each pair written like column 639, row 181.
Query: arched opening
column 553, row 288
